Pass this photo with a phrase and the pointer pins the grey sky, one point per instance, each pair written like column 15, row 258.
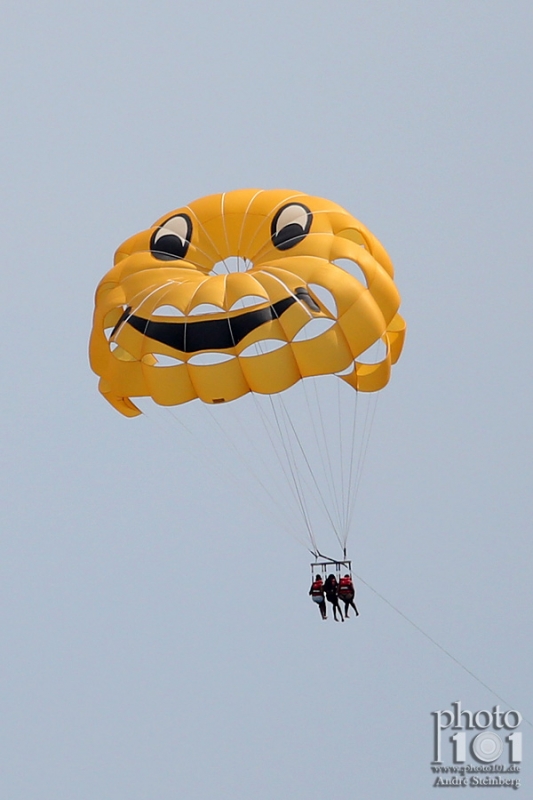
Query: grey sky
column 129, row 669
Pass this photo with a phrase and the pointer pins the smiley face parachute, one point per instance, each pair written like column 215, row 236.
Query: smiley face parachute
column 247, row 294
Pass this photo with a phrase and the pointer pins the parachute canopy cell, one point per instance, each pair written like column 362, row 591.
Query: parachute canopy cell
column 244, row 292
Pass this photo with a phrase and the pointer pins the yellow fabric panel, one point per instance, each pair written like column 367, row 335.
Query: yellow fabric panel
column 139, row 243
column 125, row 378
column 379, row 253
column 362, row 324
column 207, row 208
column 236, row 239
column 345, row 288
column 218, row 382
column 178, row 292
column 321, row 242
column 278, row 284
column 241, row 284
column 294, row 320
column 373, row 377
column 132, row 342
column 203, row 252
column 169, row 386
column 250, row 210
column 396, row 336
column 353, row 235
column 229, row 220
column 271, row 373
column 123, row 355
column 122, row 404
column 221, row 219
column 215, row 231
column 109, row 294
column 108, row 291
column 380, row 284
column 266, row 204
column 362, row 236
column 251, row 234
column 236, row 236
column 369, row 377
column 202, row 256
column 269, row 330
column 243, row 220
column 329, row 353
column 268, row 201
column 149, row 359
column 212, row 290
column 240, row 201
column 112, row 317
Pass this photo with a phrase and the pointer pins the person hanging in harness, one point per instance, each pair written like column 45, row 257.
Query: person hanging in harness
column 347, row 595
column 331, row 588
column 317, row 595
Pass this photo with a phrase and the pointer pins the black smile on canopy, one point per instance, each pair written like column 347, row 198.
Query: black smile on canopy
column 192, row 336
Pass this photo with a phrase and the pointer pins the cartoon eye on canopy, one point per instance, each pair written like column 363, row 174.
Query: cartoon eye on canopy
column 168, row 325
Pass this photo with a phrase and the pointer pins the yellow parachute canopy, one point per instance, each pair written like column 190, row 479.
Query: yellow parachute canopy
column 225, row 296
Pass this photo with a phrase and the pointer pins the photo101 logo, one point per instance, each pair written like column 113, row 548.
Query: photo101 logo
column 476, row 748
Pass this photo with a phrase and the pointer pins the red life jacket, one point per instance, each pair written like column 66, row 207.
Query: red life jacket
column 346, row 586
column 317, row 589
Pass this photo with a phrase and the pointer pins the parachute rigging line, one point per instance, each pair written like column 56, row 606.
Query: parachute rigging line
column 296, row 489
column 433, row 641
column 311, row 472
column 330, row 477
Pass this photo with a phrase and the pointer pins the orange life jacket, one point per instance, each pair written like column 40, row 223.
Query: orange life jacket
column 317, row 589
column 346, row 586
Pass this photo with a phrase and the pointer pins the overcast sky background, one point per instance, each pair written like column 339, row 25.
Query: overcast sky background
column 157, row 637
